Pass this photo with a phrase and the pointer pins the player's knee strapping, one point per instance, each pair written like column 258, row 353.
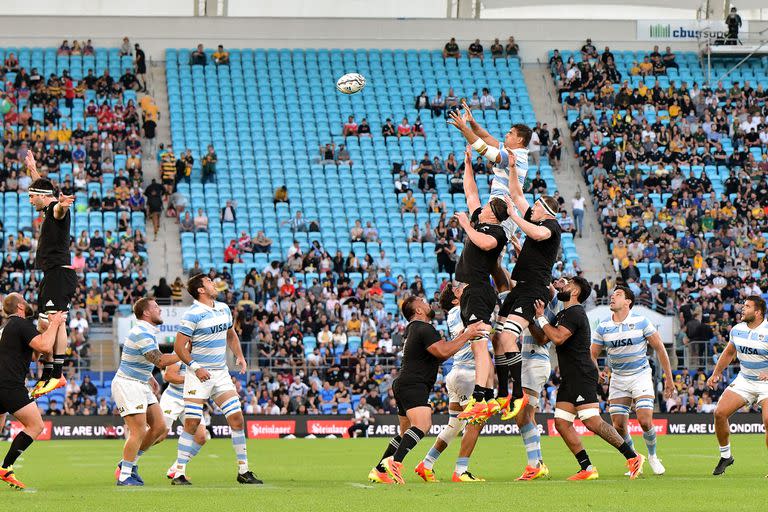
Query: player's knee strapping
column 585, row 414
column 565, row 415
column 193, row 411
column 618, row 409
column 231, row 407
column 455, row 425
column 644, row 403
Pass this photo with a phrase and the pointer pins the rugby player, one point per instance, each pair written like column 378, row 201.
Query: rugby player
column 748, row 341
column 133, row 393
column 577, row 393
column 423, row 351
column 625, row 336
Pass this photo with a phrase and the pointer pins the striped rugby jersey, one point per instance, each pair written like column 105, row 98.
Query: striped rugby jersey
column 751, row 349
column 530, row 349
column 142, row 339
column 464, row 358
column 207, row 329
column 177, row 390
column 625, row 343
column 500, row 183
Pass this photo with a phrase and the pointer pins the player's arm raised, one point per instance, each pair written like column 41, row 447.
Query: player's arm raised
column 530, row 229
column 558, row 334
column 483, row 241
column 31, row 165
column 446, row 349
column 655, row 341
column 233, row 342
column 470, row 185
column 479, row 130
column 60, row 210
column 722, row 363
column 477, row 136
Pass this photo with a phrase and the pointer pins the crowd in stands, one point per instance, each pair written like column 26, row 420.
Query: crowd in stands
column 678, row 178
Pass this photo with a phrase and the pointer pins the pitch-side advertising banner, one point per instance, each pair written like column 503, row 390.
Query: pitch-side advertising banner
column 272, row 427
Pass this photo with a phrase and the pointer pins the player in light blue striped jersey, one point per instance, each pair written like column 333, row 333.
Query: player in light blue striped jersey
column 172, row 405
column 205, row 333
column 460, row 382
column 625, row 337
column 132, row 392
column 748, row 341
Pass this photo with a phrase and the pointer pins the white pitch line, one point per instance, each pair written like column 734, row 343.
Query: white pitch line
column 359, row 485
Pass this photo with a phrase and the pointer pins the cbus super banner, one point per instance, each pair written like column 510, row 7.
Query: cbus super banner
column 683, row 30
column 272, row 427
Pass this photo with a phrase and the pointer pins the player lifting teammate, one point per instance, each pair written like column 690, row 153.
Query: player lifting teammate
column 132, row 392
column 484, row 242
column 577, row 393
column 460, row 383
column 19, row 340
column 59, row 283
column 625, row 338
column 423, row 351
column 748, row 341
column 507, row 358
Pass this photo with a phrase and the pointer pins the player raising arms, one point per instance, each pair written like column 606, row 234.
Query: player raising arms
column 748, row 341
column 18, row 341
column 577, row 393
column 207, row 328
column 132, row 392
column 509, row 160
column 423, row 351
column 460, row 382
column 625, row 338
column 59, row 283
column 172, row 405
column 485, row 241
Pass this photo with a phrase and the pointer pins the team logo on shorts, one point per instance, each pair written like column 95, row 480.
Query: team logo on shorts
column 167, row 411
column 192, row 392
column 579, row 398
column 121, row 409
column 140, row 407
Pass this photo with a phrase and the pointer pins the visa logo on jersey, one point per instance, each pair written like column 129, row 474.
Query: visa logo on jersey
column 219, row 328
column 621, row 343
column 749, row 351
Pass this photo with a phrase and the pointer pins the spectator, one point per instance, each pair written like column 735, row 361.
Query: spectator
column 504, row 103
column 588, row 51
column 154, row 194
column 201, row 222
column 364, row 130
column 297, row 223
column 231, row 254
column 404, row 129
column 566, row 222
column 475, row 50
column 221, row 56
column 512, row 49
column 125, row 48
column 327, row 154
column 487, row 101
column 733, row 21
column 140, row 65
column 228, row 213
column 262, row 244
column 209, row 165
column 187, row 225
column 408, row 203
column 281, row 196
column 370, row 233
column 427, row 183
column 388, row 129
column 350, row 127
column 422, row 101
column 437, row 104
column 198, row 57
column 342, row 156
column 577, row 206
column 451, row 49
column 356, row 234
column 669, row 59
column 497, row 50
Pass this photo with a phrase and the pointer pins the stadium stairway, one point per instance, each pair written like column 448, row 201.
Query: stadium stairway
column 593, row 258
column 165, row 253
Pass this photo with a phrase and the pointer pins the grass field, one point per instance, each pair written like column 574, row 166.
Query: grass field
column 330, row 475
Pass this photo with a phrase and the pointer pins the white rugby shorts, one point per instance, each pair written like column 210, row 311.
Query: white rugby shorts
column 132, row 396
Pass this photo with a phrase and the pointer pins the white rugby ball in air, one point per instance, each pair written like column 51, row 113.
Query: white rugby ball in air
column 350, row 83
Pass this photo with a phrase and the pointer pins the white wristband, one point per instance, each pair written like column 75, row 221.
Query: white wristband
column 542, row 321
column 489, row 152
column 195, row 366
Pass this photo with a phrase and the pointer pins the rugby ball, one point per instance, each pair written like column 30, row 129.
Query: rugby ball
column 350, row 83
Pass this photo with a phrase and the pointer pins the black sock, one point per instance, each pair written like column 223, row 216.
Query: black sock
column 627, row 451
column 583, row 459
column 411, row 438
column 392, row 447
column 479, row 393
column 515, row 363
column 20, row 443
column 58, row 364
column 502, row 373
column 47, row 370
column 488, row 393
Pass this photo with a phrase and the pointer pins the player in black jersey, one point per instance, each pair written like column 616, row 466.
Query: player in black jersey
column 577, row 393
column 59, row 283
column 532, row 276
column 18, row 341
column 486, row 239
column 423, row 351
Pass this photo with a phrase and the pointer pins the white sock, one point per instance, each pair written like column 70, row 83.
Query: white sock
column 126, row 468
column 725, row 451
column 138, row 455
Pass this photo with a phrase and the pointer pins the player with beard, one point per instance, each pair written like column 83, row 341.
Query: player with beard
column 59, row 283
column 577, row 393
column 423, row 351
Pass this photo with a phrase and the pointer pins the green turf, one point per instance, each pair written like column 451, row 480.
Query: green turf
column 330, row 475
